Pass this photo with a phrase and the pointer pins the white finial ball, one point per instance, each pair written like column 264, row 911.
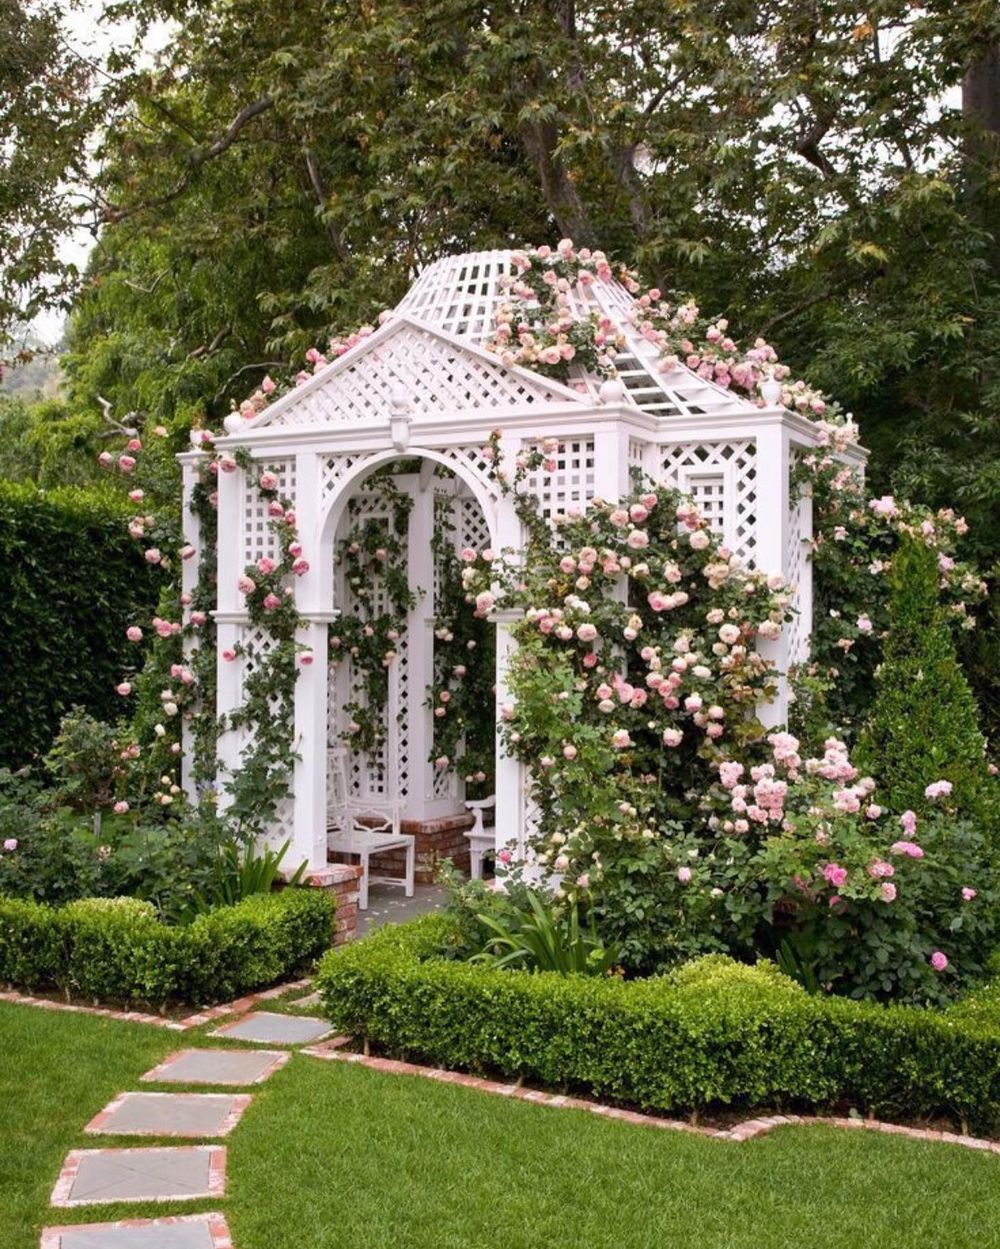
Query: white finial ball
column 233, row 423
column 770, row 391
column 612, row 390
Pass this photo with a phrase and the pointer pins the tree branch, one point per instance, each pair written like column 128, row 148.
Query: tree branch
column 198, row 158
column 323, row 195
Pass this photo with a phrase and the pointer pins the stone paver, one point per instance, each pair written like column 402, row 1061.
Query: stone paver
column 308, row 1002
column 217, row 1067
column 170, row 1114
column 274, row 1029
column 177, row 1172
column 185, row 1231
column 387, row 905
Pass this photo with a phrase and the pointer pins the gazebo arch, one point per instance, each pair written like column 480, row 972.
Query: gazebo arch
column 423, row 385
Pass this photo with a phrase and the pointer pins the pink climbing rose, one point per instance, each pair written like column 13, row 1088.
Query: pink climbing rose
column 939, row 961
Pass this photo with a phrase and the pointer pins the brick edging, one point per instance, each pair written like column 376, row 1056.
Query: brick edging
column 239, row 1006
column 217, row 1227
column 748, row 1130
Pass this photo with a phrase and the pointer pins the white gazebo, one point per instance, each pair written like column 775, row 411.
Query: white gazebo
column 422, row 389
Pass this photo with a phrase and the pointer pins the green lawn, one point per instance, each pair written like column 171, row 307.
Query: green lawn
column 332, row 1156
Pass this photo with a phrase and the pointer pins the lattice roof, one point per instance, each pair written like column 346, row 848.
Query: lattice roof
column 460, row 293
column 436, row 370
column 431, row 349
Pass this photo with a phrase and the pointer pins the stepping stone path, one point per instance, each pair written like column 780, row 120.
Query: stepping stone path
column 309, row 1002
column 187, row 1231
column 272, row 1029
column 170, row 1114
column 175, row 1172
column 98, row 1176
column 217, row 1067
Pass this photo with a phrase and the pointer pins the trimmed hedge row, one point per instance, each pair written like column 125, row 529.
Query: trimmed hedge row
column 713, row 1032
column 118, row 950
column 74, row 581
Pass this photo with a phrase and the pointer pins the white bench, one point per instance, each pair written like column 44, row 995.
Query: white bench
column 482, row 841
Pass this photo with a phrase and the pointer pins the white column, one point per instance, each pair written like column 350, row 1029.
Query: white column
column 510, row 773
column 230, row 615
column 772, row 531
column 309, row 778
column 610, row 463
column 191, row 530
column 419, row 719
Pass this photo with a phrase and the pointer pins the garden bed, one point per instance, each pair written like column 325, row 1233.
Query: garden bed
column 118, row 950
column 713, row 1034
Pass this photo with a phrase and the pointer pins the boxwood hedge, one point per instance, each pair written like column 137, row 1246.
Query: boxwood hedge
column 118, row 950
column 715, row 1032
column 74, row 580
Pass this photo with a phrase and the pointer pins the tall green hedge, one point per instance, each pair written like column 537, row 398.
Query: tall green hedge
column 73, row 580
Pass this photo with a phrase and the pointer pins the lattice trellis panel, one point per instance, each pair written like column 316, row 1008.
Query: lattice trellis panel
column 796, row 559
column 572, row 482
column 335, row 469
column 435, row 375
column 259, row 539
column 385, row 775
column 471, row 457
column 721, row 477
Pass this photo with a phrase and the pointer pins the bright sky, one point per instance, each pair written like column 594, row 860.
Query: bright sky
column 92, row 35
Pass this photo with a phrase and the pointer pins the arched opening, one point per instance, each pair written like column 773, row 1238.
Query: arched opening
column 411, row 728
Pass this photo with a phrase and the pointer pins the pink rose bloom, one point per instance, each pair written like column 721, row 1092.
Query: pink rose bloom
column 228, row 655
column 271, row 601
column 10, row 843
column 590, row 660
column 864, row 624
column 105, row 459
column 120, row 808
column 619, row 518
column 888, row 892
column 620, row 739
column 880, row 868
column 637, row 539
column 672, row 737
column 228, row 464
column 300, row 567
column 886, row 506
column 699, row 540
column 133, row 633
column 306, row 658
column 198, row 618
column 153, row 556
column 126, row 463
column 265, row 565
column 968, row 894
column 268, row 481
column 939, row 961
column 909, row 848
column 835, row 874
column 586, row 632
column 908, row 823
column 583, row 881
column 124, row 689
column 684, row 875
column 938, row 789
column 268, row 385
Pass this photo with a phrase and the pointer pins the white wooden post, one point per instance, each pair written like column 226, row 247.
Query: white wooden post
column 309, row 777
column 230, row 616
column 420, row 656
column 771, row 555
column 191, row 529
column 511, row 775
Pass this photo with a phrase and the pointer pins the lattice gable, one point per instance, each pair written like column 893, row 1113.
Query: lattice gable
column 437, row 371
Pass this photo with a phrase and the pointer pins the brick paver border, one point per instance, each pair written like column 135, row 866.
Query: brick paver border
column 64, row 1184
column 748, row 1130
column 217, row 1227
column 238, row 1007
column 98, row 1125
